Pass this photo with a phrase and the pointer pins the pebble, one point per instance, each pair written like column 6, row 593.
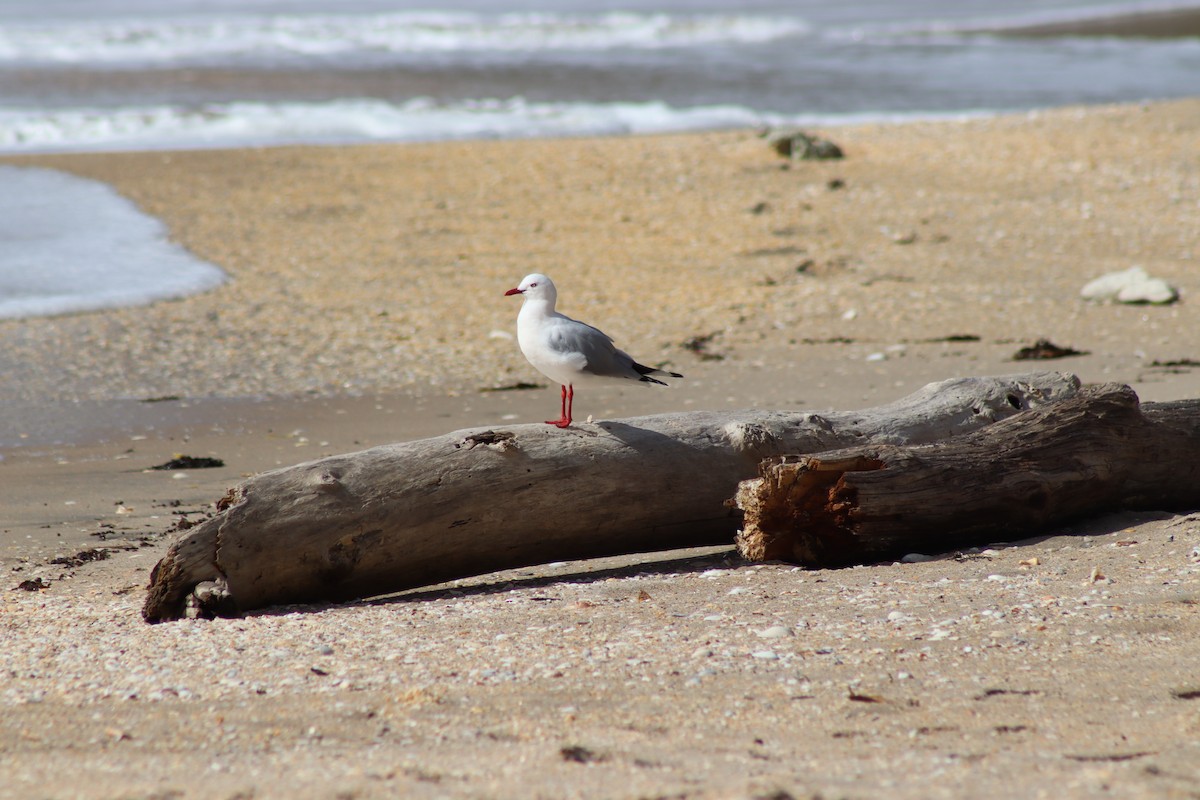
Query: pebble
column 775, row 632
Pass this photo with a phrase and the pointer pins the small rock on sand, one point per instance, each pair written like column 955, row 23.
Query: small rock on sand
column 1133, row 285
column 798, row 145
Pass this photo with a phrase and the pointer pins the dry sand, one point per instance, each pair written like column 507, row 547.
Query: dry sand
column 366, row 306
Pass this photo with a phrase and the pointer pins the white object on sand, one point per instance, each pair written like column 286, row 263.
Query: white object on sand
column 567, row 351
column 1133, row 285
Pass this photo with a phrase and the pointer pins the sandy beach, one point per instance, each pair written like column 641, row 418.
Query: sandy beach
column 366, row 306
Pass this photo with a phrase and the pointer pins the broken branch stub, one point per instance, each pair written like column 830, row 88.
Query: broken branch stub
column 420, row 513
column 1089, row 454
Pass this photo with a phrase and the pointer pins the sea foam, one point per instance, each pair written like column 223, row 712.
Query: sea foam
column 361, row 120
column 260, row 38
column 241, row 124
column 73, row 244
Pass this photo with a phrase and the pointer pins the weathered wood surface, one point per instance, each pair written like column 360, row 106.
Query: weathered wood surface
column 470, row 502
column 1092, row 453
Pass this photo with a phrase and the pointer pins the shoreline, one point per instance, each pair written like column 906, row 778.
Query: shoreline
column 382, row 315
column 820, row 284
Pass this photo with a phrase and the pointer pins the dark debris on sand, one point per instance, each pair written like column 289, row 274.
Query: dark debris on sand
column 191, row 462
column 1045, row 349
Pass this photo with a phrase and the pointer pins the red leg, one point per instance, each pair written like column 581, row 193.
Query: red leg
column 565, row 414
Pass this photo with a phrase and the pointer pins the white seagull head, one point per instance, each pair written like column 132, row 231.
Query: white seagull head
column 535, row 287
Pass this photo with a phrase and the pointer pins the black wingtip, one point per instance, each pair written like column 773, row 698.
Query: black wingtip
column 646, row 371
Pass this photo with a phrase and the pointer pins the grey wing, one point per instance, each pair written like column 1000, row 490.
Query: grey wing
column 600, row 356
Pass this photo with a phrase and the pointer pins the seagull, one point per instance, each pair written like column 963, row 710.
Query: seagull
column 567, row 350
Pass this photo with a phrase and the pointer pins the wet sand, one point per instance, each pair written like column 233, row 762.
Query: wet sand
column 366, row 307
column 1163, row 24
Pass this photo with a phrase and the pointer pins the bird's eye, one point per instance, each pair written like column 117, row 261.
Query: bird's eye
column 532, row 285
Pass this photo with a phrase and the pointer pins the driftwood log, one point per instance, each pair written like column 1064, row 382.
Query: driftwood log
column 477, row 501
column 1092, row 453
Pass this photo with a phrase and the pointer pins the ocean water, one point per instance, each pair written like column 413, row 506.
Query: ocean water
column 133, row 74
column 72, row 244
column 96, row 75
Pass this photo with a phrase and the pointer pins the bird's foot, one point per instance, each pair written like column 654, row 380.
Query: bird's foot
column 562, row 423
